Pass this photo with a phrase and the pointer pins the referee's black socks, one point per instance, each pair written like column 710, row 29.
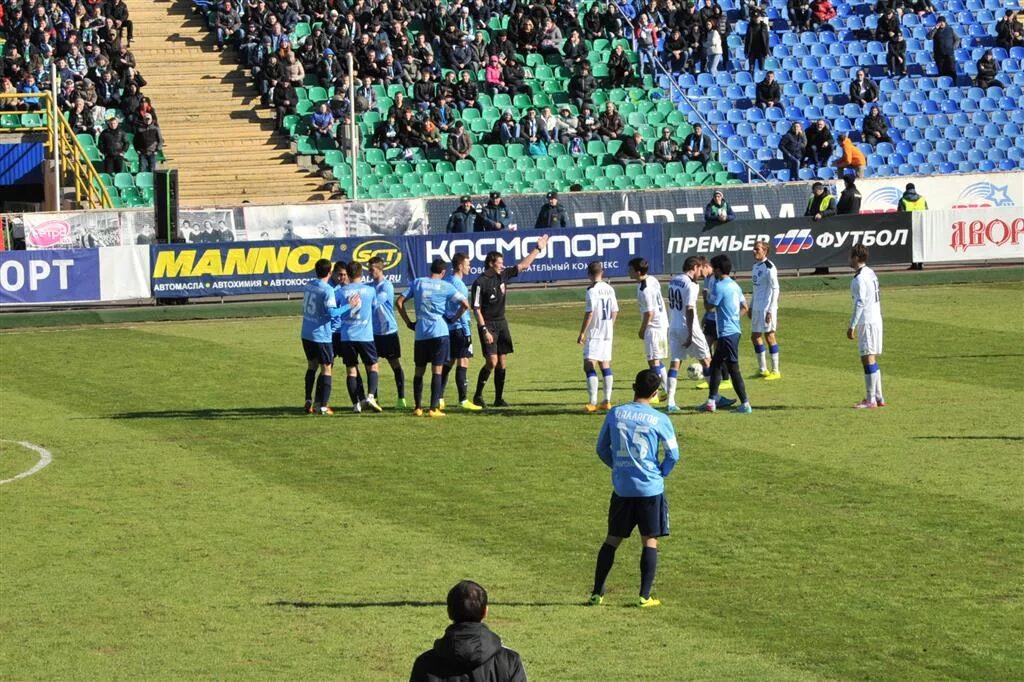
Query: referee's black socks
column 499, row 383
column 481, row 380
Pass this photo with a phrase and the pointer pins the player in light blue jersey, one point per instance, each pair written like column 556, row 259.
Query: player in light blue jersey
column 355, row 333
column 460, row 339
column 385, row 327
column 319, row 306
column 628, row 444
column 710, row 330
column 432, row 297
column 730, row 305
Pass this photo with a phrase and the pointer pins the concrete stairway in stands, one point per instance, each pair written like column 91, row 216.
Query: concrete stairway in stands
column 218, row 137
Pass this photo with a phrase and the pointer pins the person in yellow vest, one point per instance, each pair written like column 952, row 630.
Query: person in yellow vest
column 852, row 157
column 821, row 204
column 912, row 201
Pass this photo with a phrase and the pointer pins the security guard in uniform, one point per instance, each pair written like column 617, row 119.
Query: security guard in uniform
column 912, row 201
column 551, row 214
column 821, row 204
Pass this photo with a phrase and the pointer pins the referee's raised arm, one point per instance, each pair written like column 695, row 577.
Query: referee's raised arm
column 527, row 261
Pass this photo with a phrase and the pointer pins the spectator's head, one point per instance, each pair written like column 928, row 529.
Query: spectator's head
column 467, row 602
column 565, row 112
column 849, row 179
column 860, row 74
column 466, row 202
column 769, row 77
column 940, row 22
column 874, row 112
column 552, row 198
column 637, row 136
column 818, row 189
column 910, row 187
column 718, row 198
column 698, row 130
column 465, row 77
column 328, row 53
column 841, row 138
column 147, row 118
column 458, row 126
column 609, row 107
column 322, row 108
column 531, row 113
column 987, row 57
column 113, row 122
column 666, row 133
column 820, row 124
column 585, row 69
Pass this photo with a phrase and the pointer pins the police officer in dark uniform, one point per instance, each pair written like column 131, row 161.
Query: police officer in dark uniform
column 496, row 215
column 551, row 214
column 463, row 218
column 487, row 299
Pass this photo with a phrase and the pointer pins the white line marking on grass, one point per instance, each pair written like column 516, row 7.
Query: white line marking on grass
column 45, row 457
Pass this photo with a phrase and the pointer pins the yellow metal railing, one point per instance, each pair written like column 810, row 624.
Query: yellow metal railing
column 76, row 168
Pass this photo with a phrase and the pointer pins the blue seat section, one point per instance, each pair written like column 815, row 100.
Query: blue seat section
column 938, row 124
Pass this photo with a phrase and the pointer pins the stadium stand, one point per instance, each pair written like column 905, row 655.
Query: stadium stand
column 937, row 124
column 89, row 44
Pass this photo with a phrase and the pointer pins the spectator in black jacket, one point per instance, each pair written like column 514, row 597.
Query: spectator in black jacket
column 631, row 149
column 756, row 43
column 875, row 129
column 582, row 87
column 697, row 146
column 1009, row 31
column 768, row 92
column 495, row 215
column 468, row 650
column 896, row 56
column 149, row 142
column 820, row 144
column 792, row 146
column 849, row 199
column 113, row 143
column 988, row 68
column 944, row 43
column 862, row 89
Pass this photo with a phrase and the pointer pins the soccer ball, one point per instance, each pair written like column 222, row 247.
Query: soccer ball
column 695, row 371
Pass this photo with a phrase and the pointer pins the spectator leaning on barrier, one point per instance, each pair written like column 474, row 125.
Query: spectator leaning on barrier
column 551, row 214
column 851, row 157
column 718, row 211
column 849, row 199
column 495, row 215
column 821, row 204
column 464, row 217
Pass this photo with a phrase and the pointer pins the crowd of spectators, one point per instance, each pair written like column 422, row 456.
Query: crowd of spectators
column 99, row 87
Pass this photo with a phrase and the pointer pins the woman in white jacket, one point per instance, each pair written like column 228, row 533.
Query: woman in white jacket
column 712, row 49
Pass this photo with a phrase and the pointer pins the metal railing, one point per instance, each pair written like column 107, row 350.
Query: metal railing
column 71, row 164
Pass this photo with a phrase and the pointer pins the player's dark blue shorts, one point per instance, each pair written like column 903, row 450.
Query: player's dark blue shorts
column 461, row 344
column 727, row 349
column 710, row 330
column 352, row 352
column 321, row 353
column 650, row 514
column 431, row 351
column 388, row 346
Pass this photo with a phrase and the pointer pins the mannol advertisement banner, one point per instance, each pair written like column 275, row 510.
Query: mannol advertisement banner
column 988, row 234
column 55, row 276
column 593, row 209
column 797, row 243
column 566, row 257
column 194, row 270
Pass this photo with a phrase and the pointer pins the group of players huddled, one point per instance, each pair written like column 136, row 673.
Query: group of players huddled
column 356, row 321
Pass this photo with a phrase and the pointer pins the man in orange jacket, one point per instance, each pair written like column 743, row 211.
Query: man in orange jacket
column 852, row 157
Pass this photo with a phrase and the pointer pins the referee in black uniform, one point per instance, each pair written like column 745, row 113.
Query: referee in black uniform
column 488, row 300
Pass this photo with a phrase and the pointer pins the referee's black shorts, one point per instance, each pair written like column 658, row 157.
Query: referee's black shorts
column 650, row 514
column 502, row 338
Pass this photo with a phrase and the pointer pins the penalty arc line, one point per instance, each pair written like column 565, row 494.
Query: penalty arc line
column 45, row 457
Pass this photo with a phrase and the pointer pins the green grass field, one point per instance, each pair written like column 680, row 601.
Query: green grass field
column 194, row 524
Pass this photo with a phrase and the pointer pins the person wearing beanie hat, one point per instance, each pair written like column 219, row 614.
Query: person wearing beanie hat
column 463, row 218
column 945, row 41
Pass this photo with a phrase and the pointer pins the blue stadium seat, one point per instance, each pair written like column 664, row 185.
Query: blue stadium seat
column 966, row 167
column 956, row 156
column 946, row 167
column 944, row 146
column 986, row 166
column 1008, row 165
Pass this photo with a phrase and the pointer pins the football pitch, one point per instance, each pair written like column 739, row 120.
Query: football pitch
column 193, row 523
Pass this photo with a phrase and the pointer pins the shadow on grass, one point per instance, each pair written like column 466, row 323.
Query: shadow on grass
column 1015, row 438
column 976, row 355
column 398, row 604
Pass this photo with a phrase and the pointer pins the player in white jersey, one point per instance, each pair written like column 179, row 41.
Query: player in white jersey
column 866, row 325
column 685, row 333
column 764, row 311
column 653, row 322
column 596, row 336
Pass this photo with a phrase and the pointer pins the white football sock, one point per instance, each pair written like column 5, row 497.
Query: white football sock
column 775, row 362
column 672, row 381
column 878, row 386
column 592, row 389
column 869, row 387
column 607, row 388
column 761, row 362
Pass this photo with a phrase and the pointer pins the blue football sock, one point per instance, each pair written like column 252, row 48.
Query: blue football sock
column 605, row 559
column 648, row 567
column 372, row 382
column 435, row 391
column 417, row 390
column 310, row 381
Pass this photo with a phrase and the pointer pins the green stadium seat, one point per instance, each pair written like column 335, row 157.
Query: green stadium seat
column 399, row 192
column 634, row 169
column 302, row 29
column 143, row 180
column 515, row 150
column 603, row 183
column 614, row 171
column 574, row 174
column 643, row 182
column 484, row 165
column 612, row 146
column 544, row 162
column 622, row 182
column 595, row 147
column 502, row 101
column 461, row 188
column 317, row 94
column 123, row 181
column 464, row 166
column 525, row 163
column 694, row 167
column 495, row 151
